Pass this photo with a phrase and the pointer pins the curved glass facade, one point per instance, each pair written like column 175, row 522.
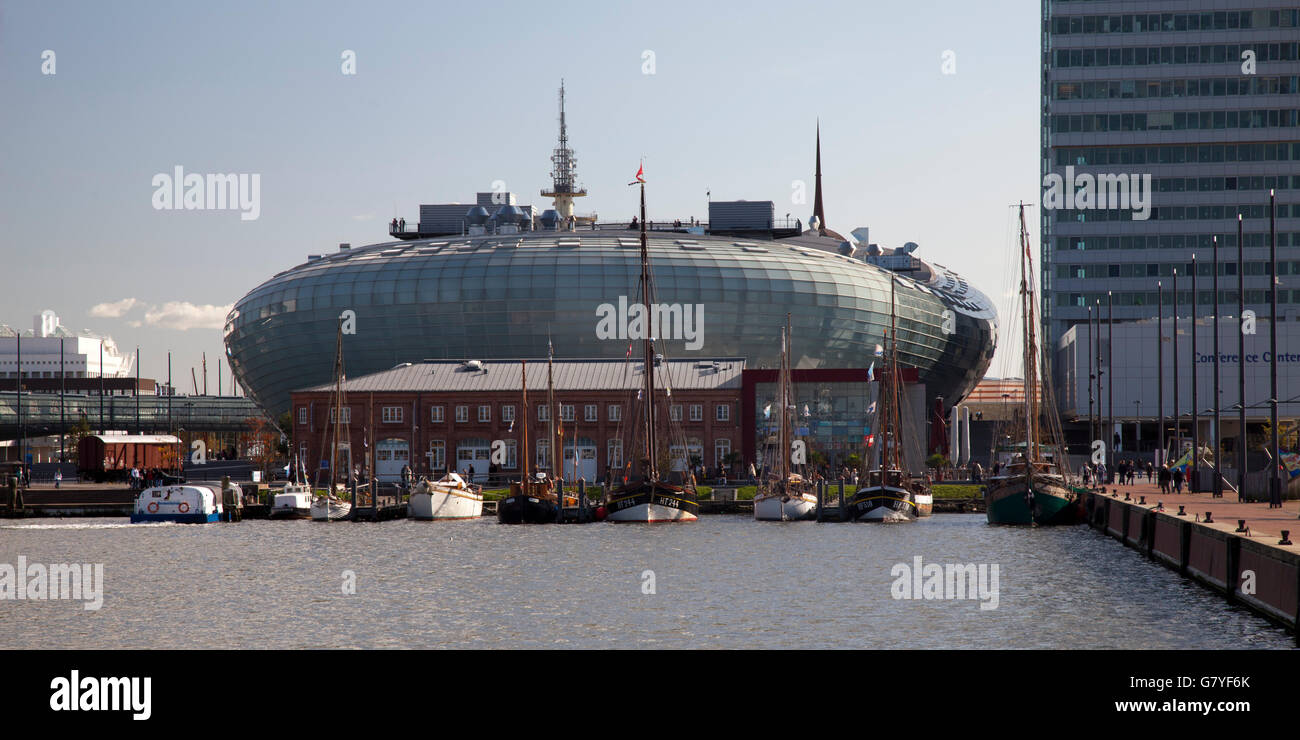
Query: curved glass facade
column 501, row 297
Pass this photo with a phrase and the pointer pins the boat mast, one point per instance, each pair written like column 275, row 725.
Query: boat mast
column 651, row 471
column 523, row 365
column 1027, row 329
column 338, row 406
column 556, row 471
column 784, row 392
column 892, row 410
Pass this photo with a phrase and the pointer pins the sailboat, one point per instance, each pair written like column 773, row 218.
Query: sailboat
column 649, row 496
column 887, row 493
column 294, row 500
column 532, row 498
column 328, row 506
column 449, row 497
column 1031, row 488
column 784, row 495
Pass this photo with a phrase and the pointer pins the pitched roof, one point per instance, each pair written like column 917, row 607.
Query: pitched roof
column 569, row 375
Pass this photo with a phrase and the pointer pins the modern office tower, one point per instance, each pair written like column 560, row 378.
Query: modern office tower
column 1199, row 96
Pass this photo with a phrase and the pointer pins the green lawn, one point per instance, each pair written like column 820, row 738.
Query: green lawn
column 951, row 490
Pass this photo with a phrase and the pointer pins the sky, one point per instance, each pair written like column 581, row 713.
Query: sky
column 447, row 99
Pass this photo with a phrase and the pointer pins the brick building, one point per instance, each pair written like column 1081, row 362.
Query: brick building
column 441, row 413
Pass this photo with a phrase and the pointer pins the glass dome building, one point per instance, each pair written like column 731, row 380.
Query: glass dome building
column 505, row 296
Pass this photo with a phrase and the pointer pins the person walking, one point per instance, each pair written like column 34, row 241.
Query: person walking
column 1163, row 478
column 1178, row 480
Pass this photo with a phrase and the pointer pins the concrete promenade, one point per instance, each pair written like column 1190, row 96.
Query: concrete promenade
column 1259, row 518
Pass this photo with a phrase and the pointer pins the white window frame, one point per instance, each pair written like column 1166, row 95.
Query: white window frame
column 675, row 412
column 484, row 413
column 544, row 412
column 302, row 415
column 508, row 413
column 722, row 412
column 438, row 460
column 462, row 414
column 697, row 412
column 566, row 412
column 347, row 415
column 437, row 414
column 616, row 412
column 591, row 412
column 391, row 414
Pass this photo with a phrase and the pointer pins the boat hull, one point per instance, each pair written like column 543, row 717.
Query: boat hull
column 332, row 511
column 1046, row 503
column 924, row 503
column 199, row 518
column 286, row 512
column 881, row 504
column 444, row 505
column 648, row 504
column 778, row 508
column 520, row 508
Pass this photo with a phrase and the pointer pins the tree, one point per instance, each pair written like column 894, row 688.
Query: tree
column 263, row 440
column 75, row 434
column 936, row 461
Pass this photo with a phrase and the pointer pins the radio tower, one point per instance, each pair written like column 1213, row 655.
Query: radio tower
column 564, row 171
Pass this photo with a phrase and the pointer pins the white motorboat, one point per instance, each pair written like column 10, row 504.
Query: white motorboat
column 448, row 498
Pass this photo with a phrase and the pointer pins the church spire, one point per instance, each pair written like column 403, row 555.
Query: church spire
column 818, row 213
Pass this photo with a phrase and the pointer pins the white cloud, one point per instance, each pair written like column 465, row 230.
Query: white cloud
column 114, row 310
column 363, row 217
column 183, row 315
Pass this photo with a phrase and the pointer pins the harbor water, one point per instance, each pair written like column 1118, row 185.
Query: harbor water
column 723, row 582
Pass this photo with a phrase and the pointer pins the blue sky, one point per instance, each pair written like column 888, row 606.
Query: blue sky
column 451, row 97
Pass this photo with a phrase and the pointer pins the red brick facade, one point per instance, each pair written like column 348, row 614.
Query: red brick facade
column 411, row 417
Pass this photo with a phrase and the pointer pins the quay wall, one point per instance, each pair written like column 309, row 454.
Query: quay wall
column 1253, row 571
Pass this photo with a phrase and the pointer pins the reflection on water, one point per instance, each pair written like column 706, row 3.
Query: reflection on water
column 725, row 581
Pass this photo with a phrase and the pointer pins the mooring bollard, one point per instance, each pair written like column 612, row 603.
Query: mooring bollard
column 1142, row 501
column 1208, row 519
column 1286, row 537
column 1241, row 525
column 1181, row 510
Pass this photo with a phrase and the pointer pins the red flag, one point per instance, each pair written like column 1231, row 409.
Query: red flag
column 640, row 173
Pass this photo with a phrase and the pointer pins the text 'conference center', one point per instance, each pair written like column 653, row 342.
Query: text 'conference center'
column 496, row 280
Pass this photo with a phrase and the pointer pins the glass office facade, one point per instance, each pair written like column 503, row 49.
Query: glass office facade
column 502, row 297
column 1203, row 98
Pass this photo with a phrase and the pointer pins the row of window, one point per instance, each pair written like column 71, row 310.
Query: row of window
column 468, row 454
column 590, row 413
column 1175, row 121
column 1220, row 184
column 1166, row 269
column 1158, row 22
column 1178, row 154
column 1182, row 88
column 1173, row 241
column 1165, row 213
column 1151, row 297
column 1129, row 56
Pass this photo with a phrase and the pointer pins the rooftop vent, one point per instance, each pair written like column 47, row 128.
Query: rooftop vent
column 343, row 246
column 475, row 365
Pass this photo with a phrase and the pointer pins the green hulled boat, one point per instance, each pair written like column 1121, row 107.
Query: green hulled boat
column 1032, row 489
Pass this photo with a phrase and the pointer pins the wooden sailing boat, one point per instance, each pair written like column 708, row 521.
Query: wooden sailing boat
column 784, row 495
column 533, row 498
column 1031, row 489
column 329, row 506
column 648, row 497
column 887, row 492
